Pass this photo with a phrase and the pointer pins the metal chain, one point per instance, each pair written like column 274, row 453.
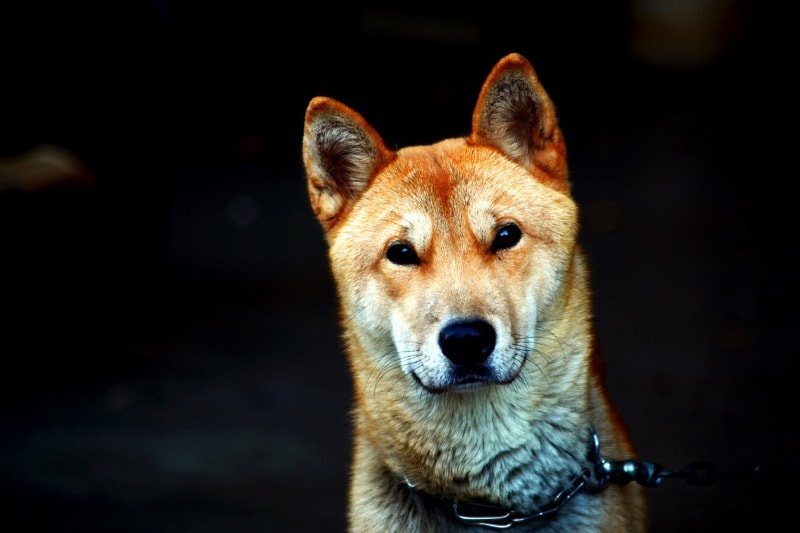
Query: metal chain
column 695, row 473
column 604, row 472
column 651, row 474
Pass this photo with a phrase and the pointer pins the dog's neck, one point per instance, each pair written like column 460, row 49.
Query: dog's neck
column 507, row 470
column 592, row 478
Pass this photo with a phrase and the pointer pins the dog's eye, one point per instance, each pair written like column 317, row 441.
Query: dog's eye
column 401, row 253
column 507, row 236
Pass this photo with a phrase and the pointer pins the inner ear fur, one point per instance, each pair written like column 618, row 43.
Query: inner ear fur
column 341, row 152
column 515, row 115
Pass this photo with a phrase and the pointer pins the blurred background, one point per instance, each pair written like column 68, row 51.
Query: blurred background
column 170, row 352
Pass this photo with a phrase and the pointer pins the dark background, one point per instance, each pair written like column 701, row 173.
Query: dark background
column 170, row 353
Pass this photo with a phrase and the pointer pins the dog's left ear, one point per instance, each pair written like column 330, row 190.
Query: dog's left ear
column 515, row 115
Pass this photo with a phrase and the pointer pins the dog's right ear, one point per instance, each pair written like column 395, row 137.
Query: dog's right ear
column 341, row 153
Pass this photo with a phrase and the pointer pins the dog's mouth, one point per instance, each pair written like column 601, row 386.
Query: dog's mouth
column 461, row 379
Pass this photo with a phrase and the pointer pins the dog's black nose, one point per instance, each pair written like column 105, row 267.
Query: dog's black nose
column 467, row 343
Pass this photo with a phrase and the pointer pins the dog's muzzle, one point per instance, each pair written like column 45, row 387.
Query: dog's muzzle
column 468, row 345
column 469, row 348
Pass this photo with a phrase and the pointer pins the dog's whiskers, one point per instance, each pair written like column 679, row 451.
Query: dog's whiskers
column 391, row 361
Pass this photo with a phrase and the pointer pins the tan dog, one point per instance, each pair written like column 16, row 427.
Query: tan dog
column 466, row 311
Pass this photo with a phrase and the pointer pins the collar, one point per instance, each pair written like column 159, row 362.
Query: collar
column 485, row 514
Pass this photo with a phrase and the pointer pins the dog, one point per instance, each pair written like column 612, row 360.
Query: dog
column 465, row 308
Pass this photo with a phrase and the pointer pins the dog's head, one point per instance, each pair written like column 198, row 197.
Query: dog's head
column 448, row 257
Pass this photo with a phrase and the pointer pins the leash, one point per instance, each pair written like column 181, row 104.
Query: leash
column 597, row 477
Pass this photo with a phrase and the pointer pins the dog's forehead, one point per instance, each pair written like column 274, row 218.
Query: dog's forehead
column 452, row 179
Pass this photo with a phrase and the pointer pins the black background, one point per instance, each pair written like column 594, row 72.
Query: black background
column 170, row 350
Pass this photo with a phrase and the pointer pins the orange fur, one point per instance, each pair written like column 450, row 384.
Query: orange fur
column 466, row 313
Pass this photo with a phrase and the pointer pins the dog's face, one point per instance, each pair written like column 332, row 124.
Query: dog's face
column 447, row 256
column 447, row 259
